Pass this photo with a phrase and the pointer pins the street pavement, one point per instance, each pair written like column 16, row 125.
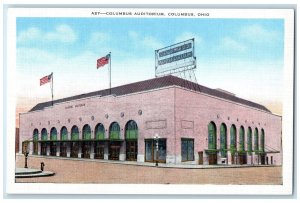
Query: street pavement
column 87, row 171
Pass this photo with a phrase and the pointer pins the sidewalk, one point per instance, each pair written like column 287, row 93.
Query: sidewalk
column 185, row 165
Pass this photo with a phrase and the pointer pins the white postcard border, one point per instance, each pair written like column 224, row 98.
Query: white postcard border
column 47, row 188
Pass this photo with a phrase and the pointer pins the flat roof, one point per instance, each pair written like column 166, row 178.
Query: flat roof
column 152, row 84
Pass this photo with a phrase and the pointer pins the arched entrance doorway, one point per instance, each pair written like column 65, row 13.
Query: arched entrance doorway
column 53, row 144
column 44, row 143
column 223, row 141
column 86, row 144
column 99, row 141
column 242, row 153
column 114, row 141
column 233, row 144
column 249, row 143
column 131, row 137
column 74, row 143
column 35, row 141
column 212, row 144
column 256, row 145
column 262, row 147
column 63, row 145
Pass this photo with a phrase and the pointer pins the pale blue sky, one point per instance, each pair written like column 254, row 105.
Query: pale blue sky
column 244, row 56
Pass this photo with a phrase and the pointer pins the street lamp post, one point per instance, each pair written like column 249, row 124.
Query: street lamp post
column 26, row 156
column 26, row 153
column 156, row 138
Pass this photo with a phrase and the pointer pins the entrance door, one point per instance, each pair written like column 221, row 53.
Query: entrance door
column 245, row 159
column 53, row 149
column 114, row 151
column 212, row 159
column 86, row 148
column 150, row 150
column 74, row 149
column 131, row 150
column 35, row 148
column 271, row 160
column 242, row 159
column 233, row 159
column 99, row 151
column 63, row 149
column 263, row 159
column 43, row 149
column 201, row 158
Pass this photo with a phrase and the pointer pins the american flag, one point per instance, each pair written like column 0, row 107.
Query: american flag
column 103, row 61
column 45, row 79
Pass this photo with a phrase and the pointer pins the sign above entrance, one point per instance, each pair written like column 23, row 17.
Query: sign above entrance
column 76, row 106
column 175, row 58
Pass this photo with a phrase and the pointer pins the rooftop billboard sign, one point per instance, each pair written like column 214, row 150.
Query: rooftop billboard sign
column 175, row 58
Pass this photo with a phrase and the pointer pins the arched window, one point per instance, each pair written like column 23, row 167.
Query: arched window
column 44, row 134
column 131, row 136
column 53, row 134
column 99, row 132
column 223, row 140
column 212, row 141
column 53, row 146
column 35, row 135
column 63, row 145
column 233, row 138
column 114, row 131
column 99, row 146
column 74, row 133
column 131, row 130
column 242, row 139
column 64, row 133
column 86, row 132
column 256, row 139
column 249, row 140
column 262, row 140
column 35, row 141
column 86, row 146
column 74, row 145
column 44, row 144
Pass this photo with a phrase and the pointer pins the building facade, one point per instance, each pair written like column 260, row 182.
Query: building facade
column 166, row 119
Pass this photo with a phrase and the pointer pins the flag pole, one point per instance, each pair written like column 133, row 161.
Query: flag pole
column 52, row 86
column 110, row 73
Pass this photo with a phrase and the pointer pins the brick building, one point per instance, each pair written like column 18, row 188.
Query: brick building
column 194, row 124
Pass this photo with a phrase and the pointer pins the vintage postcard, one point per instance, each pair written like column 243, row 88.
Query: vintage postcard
column 150, row 101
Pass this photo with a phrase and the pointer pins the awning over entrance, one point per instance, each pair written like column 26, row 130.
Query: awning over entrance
column 211, row 151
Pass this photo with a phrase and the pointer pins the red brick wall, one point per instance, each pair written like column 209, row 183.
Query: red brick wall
column 185, row 113
column 202, row 109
